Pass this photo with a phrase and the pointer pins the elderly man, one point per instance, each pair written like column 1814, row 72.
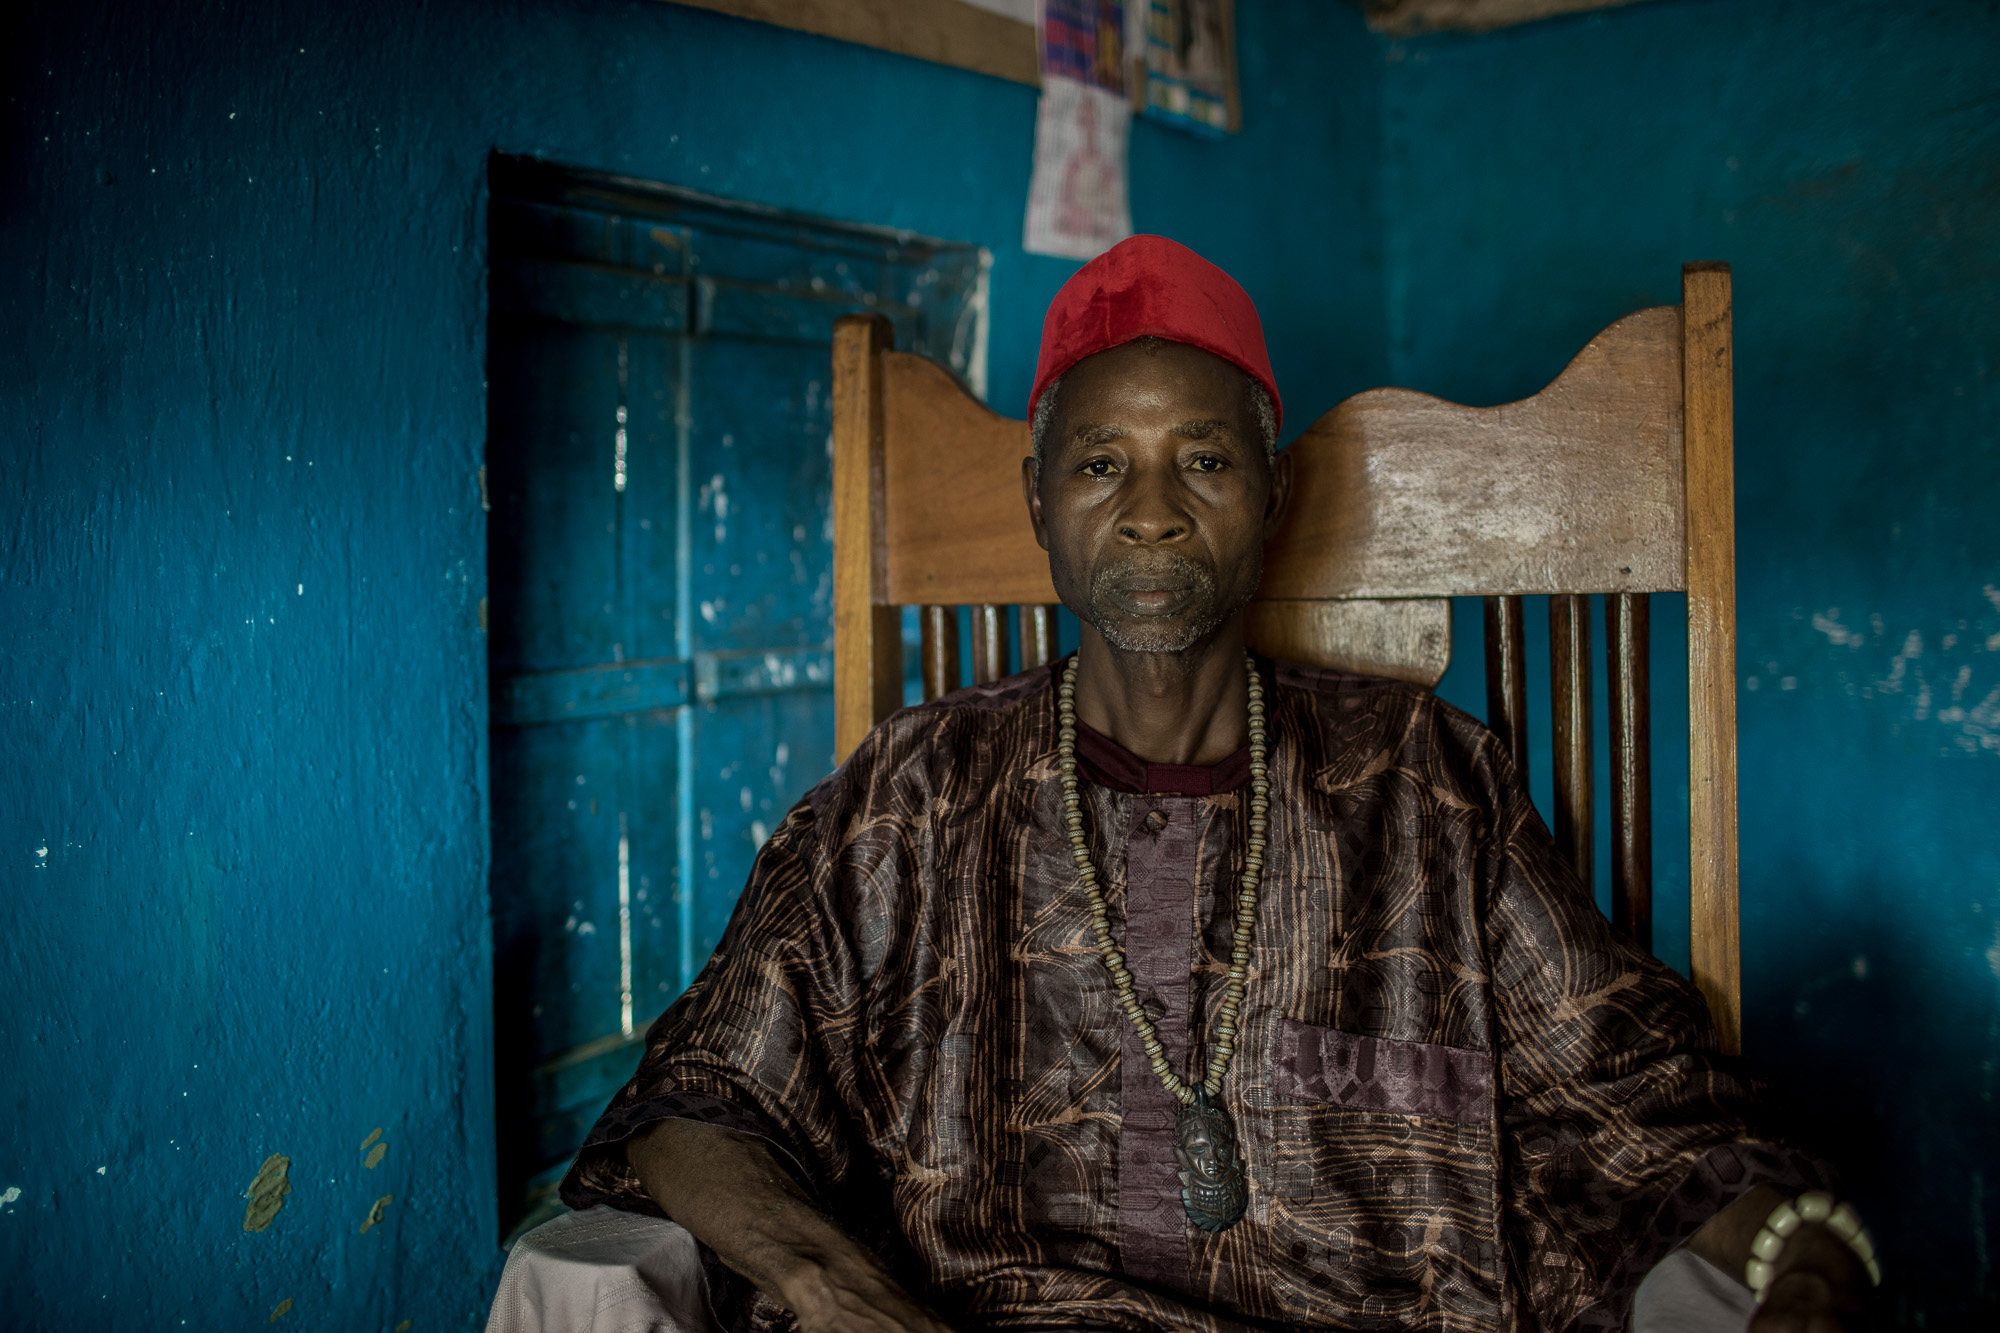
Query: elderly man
column 1175, row 988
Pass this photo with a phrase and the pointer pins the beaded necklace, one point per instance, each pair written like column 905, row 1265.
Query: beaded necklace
column 1214, row 1188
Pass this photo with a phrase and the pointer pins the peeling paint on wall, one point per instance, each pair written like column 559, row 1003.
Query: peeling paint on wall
column 374, row 1217
column 1947, row 677
column 267, row 1192
column 280, row 1310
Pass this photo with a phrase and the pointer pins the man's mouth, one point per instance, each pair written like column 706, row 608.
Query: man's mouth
column 1153, row 603
column 1163, row 582
column 1153, row 588
column 1151, row 593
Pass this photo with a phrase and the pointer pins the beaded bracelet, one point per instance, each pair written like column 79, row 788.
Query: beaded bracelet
column 1786, row 1218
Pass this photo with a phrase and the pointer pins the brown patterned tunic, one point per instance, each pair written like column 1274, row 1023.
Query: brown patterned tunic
column 1464, row 1102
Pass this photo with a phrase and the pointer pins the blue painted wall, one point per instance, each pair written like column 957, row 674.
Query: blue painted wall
column 242, row 681
column 1844, row 157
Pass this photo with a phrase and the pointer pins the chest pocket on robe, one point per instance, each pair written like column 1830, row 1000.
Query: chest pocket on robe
column 1345, row 1069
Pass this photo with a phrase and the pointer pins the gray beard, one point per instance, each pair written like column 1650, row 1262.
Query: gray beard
column 1145, row 634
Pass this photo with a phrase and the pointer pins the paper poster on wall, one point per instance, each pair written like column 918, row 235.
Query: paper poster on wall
column 1078, row 206
column 1189, row 58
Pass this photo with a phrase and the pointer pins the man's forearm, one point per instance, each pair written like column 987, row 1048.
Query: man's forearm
column 729, row 1190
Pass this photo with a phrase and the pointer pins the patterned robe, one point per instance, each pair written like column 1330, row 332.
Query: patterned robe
column 1464, row 1101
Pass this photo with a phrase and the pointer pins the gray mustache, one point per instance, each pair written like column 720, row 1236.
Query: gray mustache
column 1169, row 568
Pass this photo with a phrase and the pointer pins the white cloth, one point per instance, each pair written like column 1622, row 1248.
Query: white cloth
column 602, row 1271
column 606, row 1271
column 1685, row 1293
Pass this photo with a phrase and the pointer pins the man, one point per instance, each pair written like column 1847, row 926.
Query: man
column 1174, row 989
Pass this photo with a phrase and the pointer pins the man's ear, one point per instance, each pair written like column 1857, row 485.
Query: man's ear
column 1031, row 491
column 1280, row 498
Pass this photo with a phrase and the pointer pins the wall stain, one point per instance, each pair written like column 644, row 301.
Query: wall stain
column 1943, row 677
column 267, row 1192
column 375, row 1213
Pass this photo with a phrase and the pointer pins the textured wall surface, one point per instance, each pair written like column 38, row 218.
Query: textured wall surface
column 243, row 903
column 1845, row 159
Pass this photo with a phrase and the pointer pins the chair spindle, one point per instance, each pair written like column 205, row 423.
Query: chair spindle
column 1038, row 635
column 1569, row 679
column 1628, row 641
column 940, row 650
column 1507, row 677
column 989, row 643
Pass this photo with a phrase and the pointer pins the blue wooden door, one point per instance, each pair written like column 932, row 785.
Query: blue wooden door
column 660, row 594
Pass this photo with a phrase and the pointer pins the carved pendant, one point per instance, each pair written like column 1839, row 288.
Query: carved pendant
column 1214, row 1189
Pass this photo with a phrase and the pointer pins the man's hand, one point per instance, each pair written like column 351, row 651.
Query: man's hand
column 843, row 1294
column 729, row 1191
column 1818, row 1285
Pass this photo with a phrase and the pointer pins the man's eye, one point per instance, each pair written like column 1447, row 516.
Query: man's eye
column 1097, row 467
column 1208, row 463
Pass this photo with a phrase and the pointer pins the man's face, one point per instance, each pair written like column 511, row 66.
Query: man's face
column 1155, row 497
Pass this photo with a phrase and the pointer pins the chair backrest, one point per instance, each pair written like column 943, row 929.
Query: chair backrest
column 1615, row 479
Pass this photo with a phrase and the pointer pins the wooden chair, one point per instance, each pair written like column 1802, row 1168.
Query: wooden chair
column 1615, row 479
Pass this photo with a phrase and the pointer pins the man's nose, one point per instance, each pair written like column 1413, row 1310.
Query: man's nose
column 1154, row 511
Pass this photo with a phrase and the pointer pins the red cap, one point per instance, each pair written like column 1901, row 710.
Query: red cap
column 1149, row 286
